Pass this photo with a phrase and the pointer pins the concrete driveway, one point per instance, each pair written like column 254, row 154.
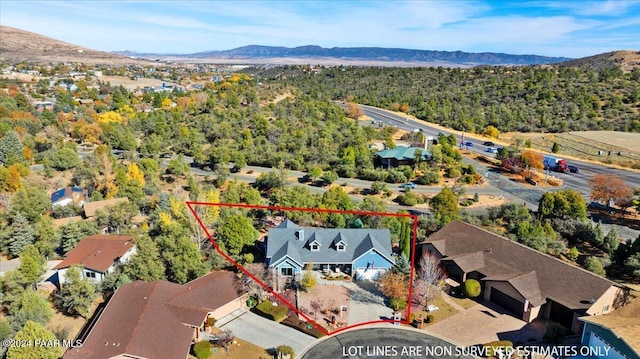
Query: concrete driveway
column 267, row 333
column 486, row 322
column 367, row 303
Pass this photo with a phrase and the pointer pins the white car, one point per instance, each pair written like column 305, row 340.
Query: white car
column 491, row 150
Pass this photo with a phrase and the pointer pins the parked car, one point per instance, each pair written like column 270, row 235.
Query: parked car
column 409, row 185
column 573, row 169
column 489, row 143
column 469, row 144
column 491, row 150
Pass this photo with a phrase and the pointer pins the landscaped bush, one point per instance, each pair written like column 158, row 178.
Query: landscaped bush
column 211, row 321
column 430, row 318
column 396, row 176
column 453, row 172
column 284, row 350
column 408, row 199
column 398, row 303
column 471, row 288
column 305, row 327
column 373, row 175
column 202, row 349
column 492, row 347
column 274, row 312
column 555, row 333
column 428, row 178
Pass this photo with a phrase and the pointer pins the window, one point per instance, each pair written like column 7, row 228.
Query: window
column 286, row 271
column 605, row 308
column 315, row 247
column 88, row 274
column 340, row 247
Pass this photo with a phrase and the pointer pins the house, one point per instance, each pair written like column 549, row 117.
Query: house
column 526, row 282
column 400, row 155
column 91, row 208
column 69, row 196
column 43, row 105
column 619, row 331
column 160, row 319
column 99, row 255
column 364, row 252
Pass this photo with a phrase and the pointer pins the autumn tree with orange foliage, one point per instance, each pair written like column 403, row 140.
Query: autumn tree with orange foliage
column 394, row 285
column 532, row 159
column 354, row 110
column 609, row 188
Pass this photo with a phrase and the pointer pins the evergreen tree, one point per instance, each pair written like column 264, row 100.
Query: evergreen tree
column 10, row 148
column 31, row 332
column 70, row 235
column 30, row 306
column 146, row 264
column 76, row 294
column 31, row 264
column 22, row 234
column 597, row 236
column 611, row 241
column 445, row 205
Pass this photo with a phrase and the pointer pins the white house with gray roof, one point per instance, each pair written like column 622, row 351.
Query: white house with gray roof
column 362, row 253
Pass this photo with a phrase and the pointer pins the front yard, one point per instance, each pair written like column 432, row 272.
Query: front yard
column 444, row 311
column 323, row 303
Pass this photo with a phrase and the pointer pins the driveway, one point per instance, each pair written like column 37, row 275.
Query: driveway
column 486, row 322
column 367, row 303
column 267, row 333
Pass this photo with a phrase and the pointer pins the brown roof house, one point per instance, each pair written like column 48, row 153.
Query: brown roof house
column 160, row 319
column 526, row 282
column 99, row 255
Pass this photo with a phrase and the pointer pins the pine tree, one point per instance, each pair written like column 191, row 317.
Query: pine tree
column 31, row 332
column 611, row 241
column 22, row 234
column 31, row 264
column 30, row 306
column 71, row 234
column 76, row 295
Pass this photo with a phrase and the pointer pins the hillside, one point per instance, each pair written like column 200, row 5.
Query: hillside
column 389, row 56
column 625, row 59
column 16, row 44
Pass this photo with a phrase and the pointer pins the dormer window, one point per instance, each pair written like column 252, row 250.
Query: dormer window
column 340, row 247
column 315, row 247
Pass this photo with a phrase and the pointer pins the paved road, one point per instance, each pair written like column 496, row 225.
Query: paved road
column 267, row 333
column 577, row 181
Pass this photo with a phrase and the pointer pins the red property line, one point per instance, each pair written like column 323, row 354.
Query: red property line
column 414, row 217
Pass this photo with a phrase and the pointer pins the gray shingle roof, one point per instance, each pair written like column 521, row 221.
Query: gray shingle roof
column 286, row 241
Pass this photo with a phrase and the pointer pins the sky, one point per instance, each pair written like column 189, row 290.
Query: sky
column 568, row 28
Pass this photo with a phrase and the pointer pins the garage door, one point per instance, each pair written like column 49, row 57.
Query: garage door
column 505, row 301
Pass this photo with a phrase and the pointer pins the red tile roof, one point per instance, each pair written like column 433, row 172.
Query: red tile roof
column 97, row 252
column 155, row 320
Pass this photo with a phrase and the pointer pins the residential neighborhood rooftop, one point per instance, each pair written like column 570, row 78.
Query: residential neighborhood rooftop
column 97, row 252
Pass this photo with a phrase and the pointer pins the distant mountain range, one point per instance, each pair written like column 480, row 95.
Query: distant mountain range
column 20, row 45
column 369, row 54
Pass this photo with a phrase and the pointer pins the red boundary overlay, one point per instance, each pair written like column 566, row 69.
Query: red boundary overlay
column 414, row 217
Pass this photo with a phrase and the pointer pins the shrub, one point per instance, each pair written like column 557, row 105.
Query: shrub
column 471, row 288
column 430, row 318
column 398, row 303
column 305, row 327
column 467, row 179
column 492, row 347
column 202, row 349
column 284, row 350
column 555, row 333
column 211, row 321
column 592, row 264
column 276, row 313
column 308, row 281
column 408, row 199
column 428, row 178
column 453, row 172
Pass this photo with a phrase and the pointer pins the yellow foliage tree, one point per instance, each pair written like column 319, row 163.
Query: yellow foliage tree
column 27, row 154
column 11, row 178
column 109, row 117
column 177, row 208
column 166, row 103
column 135, row 174
column 491, row 131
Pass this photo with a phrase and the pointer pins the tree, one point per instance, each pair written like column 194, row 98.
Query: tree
column 31, row 333
column 532, row 159
column 30, row 201
column 31, row 264
column 64, row 159
column 555, row 148
column 10, row 148
column 135, row 174
column 308, row 281
column 445, row 205
column 202, row 349
column 402, row 265
column 394, row 285
column 562, row 204
column 471, row 288
column 235, row 232
column 611, row 241
column 284, row 351
column 208, row 214
column 22, row 234
column 146, row 264
column 491, row 131
column 112, row 282
column 76, row 295
column 181, row 258
column 594, row 265
column 30, row 307
column 315, row 172
column 573, row 253
column 429, row 278
column 353, row 110
column 609, row 188
column 329, row 177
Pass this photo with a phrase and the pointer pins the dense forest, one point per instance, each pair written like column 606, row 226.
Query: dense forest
column 528, row 98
